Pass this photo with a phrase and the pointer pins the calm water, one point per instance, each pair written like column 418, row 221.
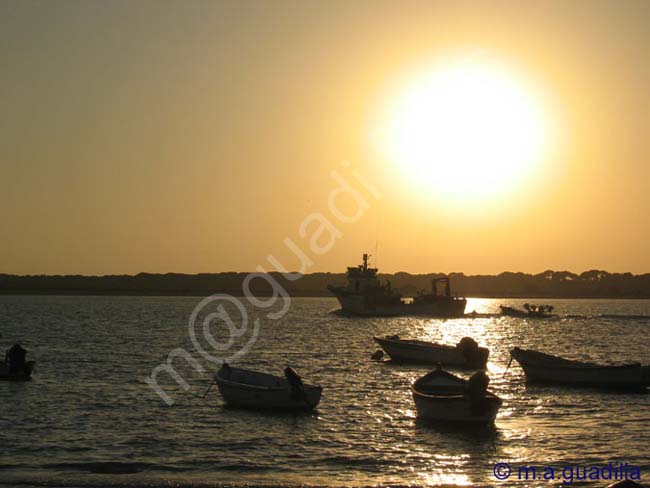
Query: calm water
column 87, row 419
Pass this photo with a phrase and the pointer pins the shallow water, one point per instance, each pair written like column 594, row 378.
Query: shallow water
column 87, row 418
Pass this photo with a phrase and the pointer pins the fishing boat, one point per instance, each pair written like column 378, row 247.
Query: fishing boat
column 465, row 354
column 440, row 396
column 251, row 389
column 530, row 311
column 554, row 370
column 365, row 295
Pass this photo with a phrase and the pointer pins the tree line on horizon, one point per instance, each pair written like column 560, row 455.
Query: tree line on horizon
column 557, row 284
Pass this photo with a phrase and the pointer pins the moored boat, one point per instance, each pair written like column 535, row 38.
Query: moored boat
column 440, row 396
column 364, row 295
column 554, row 370
column 465, row 354
column 251, row 389
column 15, row 367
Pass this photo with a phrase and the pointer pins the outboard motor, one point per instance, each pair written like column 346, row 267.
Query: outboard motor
column 227, row 370
column 298, row 392
column 477, row 387
column 475, row 356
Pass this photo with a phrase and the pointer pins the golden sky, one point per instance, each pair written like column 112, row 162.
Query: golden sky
column 198, row 136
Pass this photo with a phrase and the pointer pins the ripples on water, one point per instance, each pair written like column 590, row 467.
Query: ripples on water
column 87, row 416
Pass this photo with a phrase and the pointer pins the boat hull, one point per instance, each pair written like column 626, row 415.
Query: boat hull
column 258, row 398
column 429, row 353
column 514, row 312
column 24, row 375
column 559, row 371
column 610, row 377
column 456, row 409
column 364, row 305
column 272, row 393
column 441, row 397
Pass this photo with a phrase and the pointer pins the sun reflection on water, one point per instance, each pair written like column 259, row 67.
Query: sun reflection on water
column 366, row 431
column 483, row 305
column 445, row 479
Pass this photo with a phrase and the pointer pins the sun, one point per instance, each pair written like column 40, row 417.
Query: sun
column 468, row 130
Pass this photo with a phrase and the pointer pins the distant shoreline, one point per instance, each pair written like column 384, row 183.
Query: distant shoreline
column 547, row 285
column 239, row 294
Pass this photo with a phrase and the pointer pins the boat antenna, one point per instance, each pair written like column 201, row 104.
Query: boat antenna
column 376, row 255
column 377, row 241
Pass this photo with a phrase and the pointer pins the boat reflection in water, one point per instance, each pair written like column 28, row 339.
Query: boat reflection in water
column 364, row 295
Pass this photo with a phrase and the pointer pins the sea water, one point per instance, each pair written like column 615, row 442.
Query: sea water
column 87, row 418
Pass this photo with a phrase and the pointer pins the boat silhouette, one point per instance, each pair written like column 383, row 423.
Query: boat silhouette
column 365, row 295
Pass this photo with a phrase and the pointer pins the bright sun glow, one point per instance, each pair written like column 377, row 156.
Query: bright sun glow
column 467, row 129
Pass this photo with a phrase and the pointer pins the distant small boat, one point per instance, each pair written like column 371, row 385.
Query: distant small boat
column 440, row 396
column 466, row 353
column 22, row 374
column 250, row 389
column 15, row 367
column 531, row 311
column 554, row 370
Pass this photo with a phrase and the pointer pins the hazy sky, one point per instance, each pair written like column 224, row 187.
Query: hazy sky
column 197, row 136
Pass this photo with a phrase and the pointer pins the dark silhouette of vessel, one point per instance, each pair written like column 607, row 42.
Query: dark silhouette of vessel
column 365, row 295
column 531, row 311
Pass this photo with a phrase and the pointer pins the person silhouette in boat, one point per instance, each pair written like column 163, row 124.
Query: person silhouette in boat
column 15, row 358
column 296, row 385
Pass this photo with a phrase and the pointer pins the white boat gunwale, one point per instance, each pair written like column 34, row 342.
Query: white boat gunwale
column 252, row 387
column 415, row 343
column 451, row 395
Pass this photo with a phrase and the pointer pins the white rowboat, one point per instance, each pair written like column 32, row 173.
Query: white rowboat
column 251, row 389
column 466, row 354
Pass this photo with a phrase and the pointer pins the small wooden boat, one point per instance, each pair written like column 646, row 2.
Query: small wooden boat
column 15, row 367
column 465, row 354
column 440, row 396
column 250, row 389
column 530, row 311
column 554, row 370
column 12, row 374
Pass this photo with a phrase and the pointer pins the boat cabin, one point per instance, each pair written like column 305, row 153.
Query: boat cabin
column 362, row 277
